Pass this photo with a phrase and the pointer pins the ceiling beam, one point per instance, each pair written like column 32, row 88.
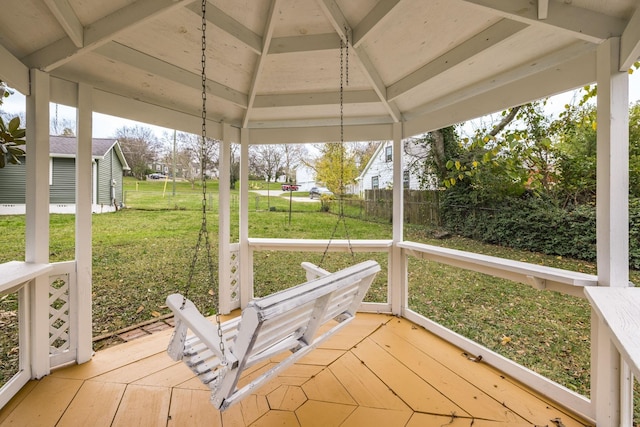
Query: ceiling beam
column 543, row 9
column 318, row 98
column 266, row 41
column 100, row 32
column 341, row 25
column 67, row 18
column 14, row 72
column 630, row 42
column 373, row 19
column 585, row 24
column 229, row 25
column 155, row 66
column 555, row 60
column 308, row 43
column 482, row 41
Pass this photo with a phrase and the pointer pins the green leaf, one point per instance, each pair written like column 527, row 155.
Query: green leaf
column 14, row 124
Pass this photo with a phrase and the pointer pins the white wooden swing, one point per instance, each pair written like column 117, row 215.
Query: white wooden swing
column 297, row 319
column 294, row 320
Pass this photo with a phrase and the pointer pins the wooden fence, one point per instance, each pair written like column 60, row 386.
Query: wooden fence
column 420, row 207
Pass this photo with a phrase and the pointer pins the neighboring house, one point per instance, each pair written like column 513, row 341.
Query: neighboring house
column 378, row 173
column 108, row 163
column 305, row 177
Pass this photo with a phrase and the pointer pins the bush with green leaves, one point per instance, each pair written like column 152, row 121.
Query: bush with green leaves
column 534, row 224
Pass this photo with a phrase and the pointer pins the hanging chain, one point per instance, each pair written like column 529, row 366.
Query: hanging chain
column 204, row 233
column 344, row 80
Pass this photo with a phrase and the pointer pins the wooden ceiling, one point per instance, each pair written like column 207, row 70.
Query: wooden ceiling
column 273, row 66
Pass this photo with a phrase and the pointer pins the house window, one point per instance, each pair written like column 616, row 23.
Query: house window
column 375, row 182
column 388, row 153
column 405, row 179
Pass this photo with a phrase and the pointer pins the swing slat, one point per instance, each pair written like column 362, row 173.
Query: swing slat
column 287, row 320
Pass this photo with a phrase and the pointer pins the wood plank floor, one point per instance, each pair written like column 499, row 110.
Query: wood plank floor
column 378, row 371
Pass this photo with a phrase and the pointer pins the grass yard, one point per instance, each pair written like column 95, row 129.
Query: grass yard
column 143, row 253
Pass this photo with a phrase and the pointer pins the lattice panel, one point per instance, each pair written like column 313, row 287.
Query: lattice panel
column 234, row 280
column 59, row 314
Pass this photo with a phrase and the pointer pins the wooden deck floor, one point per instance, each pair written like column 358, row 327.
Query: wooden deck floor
column 379, row 371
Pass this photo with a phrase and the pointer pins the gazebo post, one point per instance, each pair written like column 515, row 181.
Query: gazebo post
column 398, row 291
column 81, row 324
column 37, row 219
column 610, row 382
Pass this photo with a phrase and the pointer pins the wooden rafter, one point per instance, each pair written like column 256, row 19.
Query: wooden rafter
column 134, row 58
column 342, row 27
column 373, row 19
column 478, row 43
column 543, row 9
column 229, row 25
column 69, row 21
column 266, row 41
column 582, row 23
column 100, row 32
column 630, row 42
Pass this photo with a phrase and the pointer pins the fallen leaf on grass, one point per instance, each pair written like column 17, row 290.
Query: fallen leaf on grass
column 139, row 310
column 505, row 340
column 155, row 314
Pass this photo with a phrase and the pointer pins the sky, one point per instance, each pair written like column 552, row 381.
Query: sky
column 105, row 126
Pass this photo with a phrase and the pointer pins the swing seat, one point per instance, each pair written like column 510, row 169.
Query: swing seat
column 295, row 320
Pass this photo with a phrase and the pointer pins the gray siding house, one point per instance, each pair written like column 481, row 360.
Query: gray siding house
column 108, row 166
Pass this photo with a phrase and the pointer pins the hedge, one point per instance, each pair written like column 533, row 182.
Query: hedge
column 533, row 224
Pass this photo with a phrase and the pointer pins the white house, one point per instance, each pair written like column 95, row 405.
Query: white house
column 378, row 173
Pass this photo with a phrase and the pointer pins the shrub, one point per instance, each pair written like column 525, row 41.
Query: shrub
column 534, row 224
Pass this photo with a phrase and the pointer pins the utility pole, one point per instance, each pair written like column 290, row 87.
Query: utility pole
column 174, row 163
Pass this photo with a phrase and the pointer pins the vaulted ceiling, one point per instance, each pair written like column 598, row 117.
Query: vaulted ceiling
column 275, row 64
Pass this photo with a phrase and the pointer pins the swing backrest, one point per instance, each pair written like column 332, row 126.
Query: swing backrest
column 291, row 318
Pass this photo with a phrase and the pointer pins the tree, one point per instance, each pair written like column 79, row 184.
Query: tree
column 513, row 157
column 292, row 156
column 12, row 134
column 139, row 146
column 335, row 167
column 428, row 154
column 266, row 160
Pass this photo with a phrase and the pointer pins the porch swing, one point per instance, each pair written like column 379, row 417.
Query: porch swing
column 296, row 320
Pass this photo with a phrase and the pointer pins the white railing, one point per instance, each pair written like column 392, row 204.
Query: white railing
column 18, row 277
column 618, row 323
column 61, row 320
column 304, row 245
column 539, row 277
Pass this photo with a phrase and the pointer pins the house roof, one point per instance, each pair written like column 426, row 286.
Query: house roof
column 273, row 66
column 66, row 146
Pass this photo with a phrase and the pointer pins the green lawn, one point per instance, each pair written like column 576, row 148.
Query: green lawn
column 141, row 255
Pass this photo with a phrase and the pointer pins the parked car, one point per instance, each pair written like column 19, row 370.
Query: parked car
column 316, row 192
column 157, row 176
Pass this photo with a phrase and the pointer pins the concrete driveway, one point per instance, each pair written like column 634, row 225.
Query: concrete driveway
column 283, row 194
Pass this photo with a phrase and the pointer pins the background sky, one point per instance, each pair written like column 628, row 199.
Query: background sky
column 105, row 126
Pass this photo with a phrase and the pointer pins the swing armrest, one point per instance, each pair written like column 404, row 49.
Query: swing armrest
column 313, row 271
column 199, row 325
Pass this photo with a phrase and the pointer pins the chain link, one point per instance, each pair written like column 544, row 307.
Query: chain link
column 204, row 233
column 344, row 81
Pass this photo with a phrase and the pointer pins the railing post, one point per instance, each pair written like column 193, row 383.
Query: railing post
column 608, row 385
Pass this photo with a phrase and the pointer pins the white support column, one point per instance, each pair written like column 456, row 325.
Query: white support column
column 397, row 268
column 82, row 323
column 37, row 217
column 612, row 168
column 246, row 257
column 224, row 222
column 607, row 382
